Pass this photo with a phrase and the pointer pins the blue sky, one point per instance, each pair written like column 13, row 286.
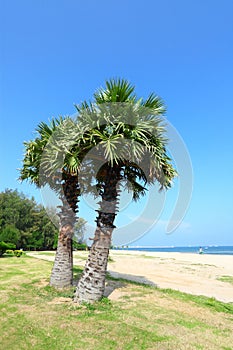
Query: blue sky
column 57, row 53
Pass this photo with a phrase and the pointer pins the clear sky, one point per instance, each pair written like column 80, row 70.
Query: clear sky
column 56, row 53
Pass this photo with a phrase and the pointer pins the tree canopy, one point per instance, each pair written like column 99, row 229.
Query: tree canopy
column 25, row 223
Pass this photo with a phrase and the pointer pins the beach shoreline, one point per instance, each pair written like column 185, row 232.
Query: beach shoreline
column 198, row 274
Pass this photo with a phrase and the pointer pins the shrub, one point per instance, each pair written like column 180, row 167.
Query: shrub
column 18, row 253
column 9, row 252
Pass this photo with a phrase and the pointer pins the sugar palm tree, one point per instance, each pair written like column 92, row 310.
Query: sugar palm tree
column 41, row 168
column 130, row 132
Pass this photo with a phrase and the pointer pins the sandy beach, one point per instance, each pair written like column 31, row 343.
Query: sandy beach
column 191, row 273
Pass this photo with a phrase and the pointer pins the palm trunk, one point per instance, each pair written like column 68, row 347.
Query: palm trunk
column 91, row 285
column 62, row 272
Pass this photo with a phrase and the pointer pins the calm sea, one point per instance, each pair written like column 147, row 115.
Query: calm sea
column 221, row 250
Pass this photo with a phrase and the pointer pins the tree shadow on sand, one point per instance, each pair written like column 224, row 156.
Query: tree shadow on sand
column 115, row 280
column 119, row 280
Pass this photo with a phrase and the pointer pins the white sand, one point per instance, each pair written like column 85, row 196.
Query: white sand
column 191, row 273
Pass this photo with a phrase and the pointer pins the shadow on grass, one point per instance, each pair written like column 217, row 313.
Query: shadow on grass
column 115, row 280
column 119, row 280
column 111, row 283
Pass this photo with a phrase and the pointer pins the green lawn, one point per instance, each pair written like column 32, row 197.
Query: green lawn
column 35, row 316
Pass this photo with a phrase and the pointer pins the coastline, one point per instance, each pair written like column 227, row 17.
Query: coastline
column 198, row 274
column 206, row 249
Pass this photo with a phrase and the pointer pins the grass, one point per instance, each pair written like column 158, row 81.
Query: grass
column 210, row 303
column 225, row 278
column 44, row 253
column 34, row 315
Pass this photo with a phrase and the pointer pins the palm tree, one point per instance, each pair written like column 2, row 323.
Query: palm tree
column 130, row 133
column 43, row 166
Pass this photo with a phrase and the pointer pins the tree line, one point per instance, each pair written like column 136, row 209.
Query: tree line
column 25, row 224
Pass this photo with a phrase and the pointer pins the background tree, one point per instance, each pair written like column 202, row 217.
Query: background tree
column 10, row 234
column 79, row 230
column 25, row 223
column 5, row 246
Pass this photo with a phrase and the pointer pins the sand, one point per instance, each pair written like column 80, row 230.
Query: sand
column 191, row 273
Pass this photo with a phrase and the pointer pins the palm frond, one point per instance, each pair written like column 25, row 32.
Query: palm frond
column 116, row 90
column 155, row 104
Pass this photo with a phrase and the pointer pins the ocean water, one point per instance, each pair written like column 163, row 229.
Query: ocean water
column 220, row 250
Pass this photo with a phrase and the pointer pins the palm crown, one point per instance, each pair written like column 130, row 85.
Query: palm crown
column 130, row 132
column 42, row 153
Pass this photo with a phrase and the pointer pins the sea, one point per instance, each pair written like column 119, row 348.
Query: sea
column 212, row 249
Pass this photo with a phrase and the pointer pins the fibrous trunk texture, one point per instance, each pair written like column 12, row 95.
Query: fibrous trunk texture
column 91, row 285
column 62, row 272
